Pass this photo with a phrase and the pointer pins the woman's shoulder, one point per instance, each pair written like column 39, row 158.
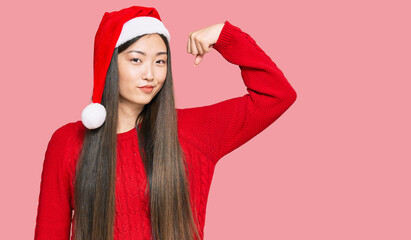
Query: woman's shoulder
column 63, row 150
column 71, row 131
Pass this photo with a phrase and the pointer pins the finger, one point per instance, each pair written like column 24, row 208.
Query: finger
column 206, row 48
column 193, row 46
column 199, row 47
column 198, row 59
column 189, row 44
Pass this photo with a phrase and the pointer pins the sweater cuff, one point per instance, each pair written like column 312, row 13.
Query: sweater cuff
column 226, row 36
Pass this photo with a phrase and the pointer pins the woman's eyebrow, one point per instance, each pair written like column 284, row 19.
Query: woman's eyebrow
column 159, row 53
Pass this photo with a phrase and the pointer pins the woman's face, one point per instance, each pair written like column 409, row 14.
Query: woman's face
column 144, row 63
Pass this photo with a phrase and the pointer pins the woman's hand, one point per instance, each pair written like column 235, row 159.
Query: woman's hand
column 200, row 42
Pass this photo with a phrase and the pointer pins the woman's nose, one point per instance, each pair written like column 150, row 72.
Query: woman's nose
column 149, row 75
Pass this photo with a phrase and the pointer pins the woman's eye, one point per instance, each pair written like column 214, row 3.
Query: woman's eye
column 135, row 59
column 162, row 61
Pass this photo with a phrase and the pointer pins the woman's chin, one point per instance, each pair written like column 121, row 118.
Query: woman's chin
column 137, row 103
column 142, row 101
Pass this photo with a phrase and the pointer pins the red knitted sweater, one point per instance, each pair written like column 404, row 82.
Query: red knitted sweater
column 206, row 134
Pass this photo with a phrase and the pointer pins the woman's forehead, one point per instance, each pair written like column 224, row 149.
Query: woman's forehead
column 149, row 44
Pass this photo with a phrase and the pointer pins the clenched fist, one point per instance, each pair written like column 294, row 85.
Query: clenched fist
column 200, row 42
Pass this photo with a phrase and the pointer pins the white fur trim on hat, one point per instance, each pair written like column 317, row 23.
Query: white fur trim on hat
column 93, row 116
column 139, row 26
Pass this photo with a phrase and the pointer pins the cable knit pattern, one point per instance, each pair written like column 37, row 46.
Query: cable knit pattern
column 206, row 134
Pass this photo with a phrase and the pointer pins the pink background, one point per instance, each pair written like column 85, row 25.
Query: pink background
column 334, row 166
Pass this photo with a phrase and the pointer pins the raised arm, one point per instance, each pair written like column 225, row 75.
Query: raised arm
column 224, row 126
column 54, row 207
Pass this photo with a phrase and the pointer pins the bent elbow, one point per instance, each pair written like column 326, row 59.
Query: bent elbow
column 288, row 97
column 292, row 96
column 283, row 103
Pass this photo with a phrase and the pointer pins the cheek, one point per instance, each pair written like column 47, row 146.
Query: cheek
column 126, row 71
column 125, row 82
column 121, row 85
column 162, row 79
column 127, row 77
column 161, row 74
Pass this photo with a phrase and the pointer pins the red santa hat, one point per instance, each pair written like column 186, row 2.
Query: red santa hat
column 116, row 28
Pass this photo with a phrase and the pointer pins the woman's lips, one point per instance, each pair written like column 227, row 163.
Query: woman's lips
column 147, row 88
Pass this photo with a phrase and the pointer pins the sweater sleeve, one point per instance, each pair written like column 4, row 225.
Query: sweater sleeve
column 220, row 128
column 54, row 206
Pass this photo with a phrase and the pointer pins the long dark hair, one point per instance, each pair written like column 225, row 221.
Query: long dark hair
column 171, row 213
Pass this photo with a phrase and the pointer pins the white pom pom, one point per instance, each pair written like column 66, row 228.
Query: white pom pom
column 93, row 116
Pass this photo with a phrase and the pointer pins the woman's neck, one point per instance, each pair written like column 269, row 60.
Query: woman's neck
column 127, row 116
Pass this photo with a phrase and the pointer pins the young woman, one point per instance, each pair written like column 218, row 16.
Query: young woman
column 135, row 167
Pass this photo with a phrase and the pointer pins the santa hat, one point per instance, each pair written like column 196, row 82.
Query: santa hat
column 115, row 29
